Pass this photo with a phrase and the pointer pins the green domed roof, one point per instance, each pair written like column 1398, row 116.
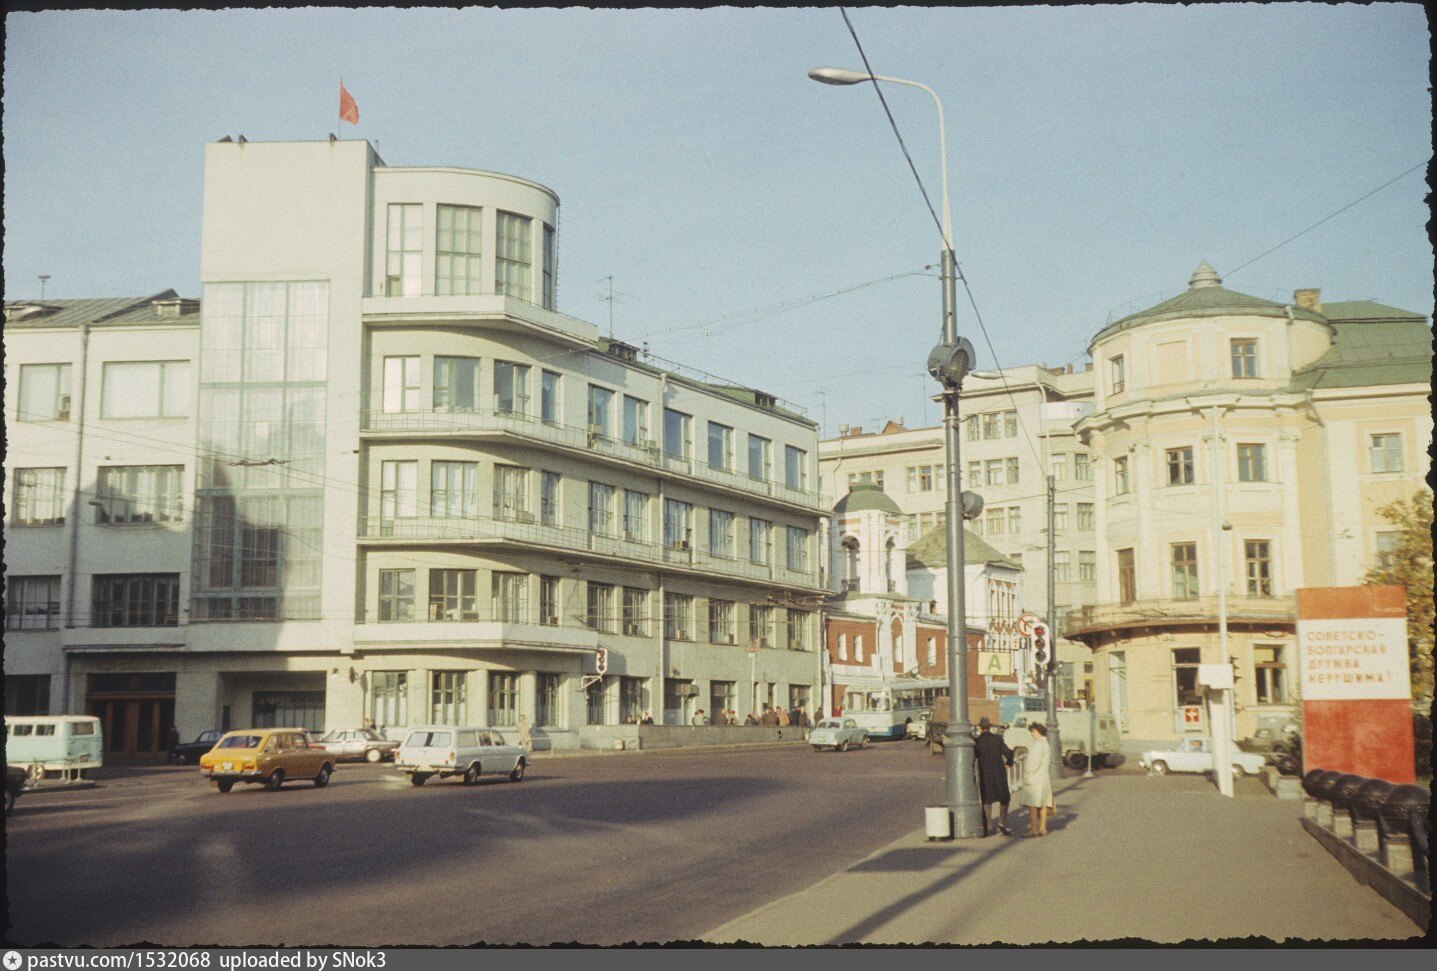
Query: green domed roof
column 864, row 496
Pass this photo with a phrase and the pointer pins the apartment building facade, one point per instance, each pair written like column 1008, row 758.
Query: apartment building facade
column 417, row 492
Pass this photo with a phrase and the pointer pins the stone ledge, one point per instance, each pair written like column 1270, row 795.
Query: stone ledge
column 1370, row 873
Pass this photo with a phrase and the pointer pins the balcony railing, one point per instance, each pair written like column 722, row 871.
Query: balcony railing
column 1162, row 613
column 645, row 453
column 682, row 556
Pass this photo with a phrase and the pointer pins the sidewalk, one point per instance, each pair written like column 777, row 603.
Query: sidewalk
column 1128, row 856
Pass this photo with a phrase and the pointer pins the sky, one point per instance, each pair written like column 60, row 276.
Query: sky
column 1095, row 155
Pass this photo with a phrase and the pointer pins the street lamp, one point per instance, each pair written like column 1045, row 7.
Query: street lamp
column 949, row 363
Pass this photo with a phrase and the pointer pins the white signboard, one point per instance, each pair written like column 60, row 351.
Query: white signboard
column 1354, row 659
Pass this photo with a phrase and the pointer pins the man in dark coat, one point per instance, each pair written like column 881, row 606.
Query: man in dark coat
column 993, row 757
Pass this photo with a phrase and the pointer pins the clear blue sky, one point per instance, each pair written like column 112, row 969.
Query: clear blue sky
column 1096, row 155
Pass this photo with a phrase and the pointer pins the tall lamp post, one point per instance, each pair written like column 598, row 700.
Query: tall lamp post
column 949, row 362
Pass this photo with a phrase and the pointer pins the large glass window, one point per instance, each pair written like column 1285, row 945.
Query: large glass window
column 1120, row 476
column 456, row 383
column 549, row 601
column 678, row 617
column 511, row 494
column 1185, row 677
column 514, row 261
column 1060, row 467
column 549, row 398
column 1269, row 670
column 1085, row 516
column 795, row 468
column 721, row 543
column 1257, row 554
column 1244, row 357
column 1060, row 515
column 551, row 266
column 760, row 458
column 396, row 595
column 799, row 624
column 1185, row 571
column 32, row 603
column 135, row 600
column 636, row 516
column 547, row 693
column 1087, row 566
column 996, row 520
column 678, row 524
column 1127, row 577
column 398, row 490
column 1010, row 470
column 760, row 626
column 1386, row 452
column 389, row 698
column 1252, row 463
column 453, row 489
column 511, row 388
column 636, row 421
column 599, row 606
column 448, row 697
column 631, row 699
column 1010, row 424
column 720, row 446
column 722, row 698
column 457, row 250
column 993, row 472
column 39, row 497
column 723, row 628
column 1180, row 466
column 405, row 250
column 601, row 406
column 797, row 548
column 140, row 494
column 453, row 595
column 760, row 541
column 146, row 389
column 549, row 498
column 677, row 435
column 511, row 597
column 1082, row 467
column 594, row 706
column 601, row 509
column 401, row 385
column 44, row 392
column 636, row 612
column 1117, row 375
column 1062, row 566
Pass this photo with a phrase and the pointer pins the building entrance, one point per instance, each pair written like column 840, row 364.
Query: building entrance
column 136, row 712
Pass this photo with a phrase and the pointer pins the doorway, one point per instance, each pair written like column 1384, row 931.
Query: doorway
column 136, row 712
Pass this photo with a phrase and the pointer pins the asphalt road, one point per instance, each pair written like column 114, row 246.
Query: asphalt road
column 599, row 850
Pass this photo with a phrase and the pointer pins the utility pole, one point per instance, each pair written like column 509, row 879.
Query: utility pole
column 1055, row 736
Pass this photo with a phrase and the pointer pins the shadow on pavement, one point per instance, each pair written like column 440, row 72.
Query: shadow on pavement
column 907, row 860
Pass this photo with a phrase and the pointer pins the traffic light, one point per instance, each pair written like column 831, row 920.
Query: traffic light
column 1042, row 660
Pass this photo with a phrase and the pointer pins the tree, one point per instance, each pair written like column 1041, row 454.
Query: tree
column 1410, row 565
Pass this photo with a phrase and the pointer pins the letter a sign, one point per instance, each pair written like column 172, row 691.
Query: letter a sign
column 995, row 664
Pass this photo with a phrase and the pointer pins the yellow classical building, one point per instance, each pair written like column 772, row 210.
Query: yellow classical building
column 1241, row 450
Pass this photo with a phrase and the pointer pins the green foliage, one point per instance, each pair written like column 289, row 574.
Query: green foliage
column 1410, row 565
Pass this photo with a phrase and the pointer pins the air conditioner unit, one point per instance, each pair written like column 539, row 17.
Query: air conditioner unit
column 523, row 517
column 62, row 412
column 551, row 621
column 681, row 635
column 633, row 630
column 689, row 690
column 651, row 445
column 596, row 431
column 681, row 544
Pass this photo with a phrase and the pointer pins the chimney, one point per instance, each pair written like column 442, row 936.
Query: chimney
column 1308, row 299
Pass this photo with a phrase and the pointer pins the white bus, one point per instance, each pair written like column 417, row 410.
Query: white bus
column 886, row 710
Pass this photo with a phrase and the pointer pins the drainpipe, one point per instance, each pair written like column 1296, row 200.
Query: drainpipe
column 659, row 626
column 77, row 410
column 1327, row 491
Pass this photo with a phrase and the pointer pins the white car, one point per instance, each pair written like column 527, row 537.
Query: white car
column 837, row 734
column 357, row 743
column 1195, row 755
column 448, row 750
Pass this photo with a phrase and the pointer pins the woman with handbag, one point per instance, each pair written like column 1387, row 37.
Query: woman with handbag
column 1037, row 781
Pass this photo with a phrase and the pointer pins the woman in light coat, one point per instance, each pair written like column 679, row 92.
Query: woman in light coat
column 1037, row 781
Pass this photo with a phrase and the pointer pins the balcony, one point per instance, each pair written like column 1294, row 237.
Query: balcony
column 681, row 557
column 1177, row 613
column 476, row 633
column 645, row 456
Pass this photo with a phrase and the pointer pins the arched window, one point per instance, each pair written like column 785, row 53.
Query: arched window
column 932, row 651
column 843, row 647
column 888, row 554
column 850, row 564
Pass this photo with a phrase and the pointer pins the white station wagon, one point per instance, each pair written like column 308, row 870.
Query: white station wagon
column 837, row 734
column 1195, row 755
column 448, row 750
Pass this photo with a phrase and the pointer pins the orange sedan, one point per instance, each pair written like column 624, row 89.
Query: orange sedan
column 266, row 756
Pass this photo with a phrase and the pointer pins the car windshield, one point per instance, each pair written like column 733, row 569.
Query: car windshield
column 828, row 723
column 208, row 737
column 427, row 740
column 240, row 741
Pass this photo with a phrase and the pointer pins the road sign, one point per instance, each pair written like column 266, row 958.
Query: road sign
column 1027, row 622
column 753, row 645
column 995, row 663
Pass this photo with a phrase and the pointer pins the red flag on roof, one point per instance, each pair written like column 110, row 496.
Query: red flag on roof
column 348, row 110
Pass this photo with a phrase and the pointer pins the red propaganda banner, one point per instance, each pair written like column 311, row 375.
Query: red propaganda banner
column 1356, row 683
column 348, row 110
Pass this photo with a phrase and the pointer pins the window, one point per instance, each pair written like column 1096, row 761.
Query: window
column 760, row 534
column 636, row 516
column 511, row 388
column 503, row 699
column 549, row 601
column 594, row 703
column 972, row 425
column 720, row 446
column 1120, row 476
column 447, row 697
column 678, row 617
column 678, row 524
column 601, row 509
column 1269, row 674
column 44, row 392
column 457, row 249
column 32, row 603
column 992, row 425
column 721, row 542
column 721, row 622
column 1010, row 424
column 398, row 490
column 1252, row 463
column 1082, row 467
column 1257, row 553
column 1015, row 519
column 1127, row 577
column 550, row 266
column 456, row 383
column 1087, row 566
column 1244, row 357
column 146, row 389
column 795, row 468
column 389, row 697
column 636, row 421
column 1060, row 467
column 677, row 433
column 932, row 651
column 721, row 699
column 549, row 498
column 511, row 493
column 1386, row 452
column 993, row 472
column 601, row 405
column 1388, row 545
column 511, row 597
column 39, row 497
column 453, row 595
column 1060, row 515
column 636, row 612
column 843, row 647
column 798, row 629
column 453, row 489
column 975, row 472
column 996, row 521
column 1180, row 466
column 1085, row 516
column 599, row 607
column 547, row 698
column 139, row 494
column 1185, row 671
column 1185, row 571
column 760, row 626
column 925, row 478
column 549, row 398
column 631, row 699
column 401, row 385
column 514, row 262
column 1062, row 566
column 1010, row 466
column 797, row 549
column 135, row 600
column 405, row 250
column 396, row 595
column 760, row 458
column 1117, row 375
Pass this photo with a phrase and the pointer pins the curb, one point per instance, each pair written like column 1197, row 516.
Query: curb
column 571, row 753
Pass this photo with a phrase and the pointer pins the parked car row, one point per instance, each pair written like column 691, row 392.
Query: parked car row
column 356, row 743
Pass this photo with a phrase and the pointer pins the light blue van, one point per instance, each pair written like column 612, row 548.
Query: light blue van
column 54, row 750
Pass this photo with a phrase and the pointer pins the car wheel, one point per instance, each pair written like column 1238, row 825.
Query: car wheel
column 471, row 775
column 1237, row 772
column 373, row 755
column 176, row 758
column 274, row 780
column 864, row 742
column 843, row 745
column 1160, row 768
column 417, row 779
column 518, row 774
column 1075, row 760
column 322, row 780
column 224, row 786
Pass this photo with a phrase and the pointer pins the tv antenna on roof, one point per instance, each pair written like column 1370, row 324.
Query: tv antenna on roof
column 44, row 278
column 613, row 294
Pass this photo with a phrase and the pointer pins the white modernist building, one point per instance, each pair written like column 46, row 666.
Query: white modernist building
column 374, row 473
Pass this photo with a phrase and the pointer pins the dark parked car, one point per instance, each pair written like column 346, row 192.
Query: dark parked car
column 188, row 753
column 14, row 784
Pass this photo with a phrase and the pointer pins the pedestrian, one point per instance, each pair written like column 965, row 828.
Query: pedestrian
column 769, row 719
column 732, row 717
column 750, row 720
column 172, row 737
column 803, row 718
column 783, row 718
column 993, row 756
column 648, row 718
column 369, row 724
column 795, row 717
column 1037, row 785
column 526, row 734
column 699, row 720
